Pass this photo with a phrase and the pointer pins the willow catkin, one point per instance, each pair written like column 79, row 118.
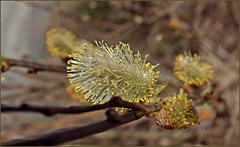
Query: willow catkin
column 100, row 72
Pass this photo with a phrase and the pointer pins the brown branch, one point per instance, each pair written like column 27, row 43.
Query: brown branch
column 66, row 135
column 50, row 111
column 58, row 137
column 114, row 102
column 35, row 66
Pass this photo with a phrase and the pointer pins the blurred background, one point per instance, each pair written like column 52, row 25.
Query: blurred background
column 161, row 29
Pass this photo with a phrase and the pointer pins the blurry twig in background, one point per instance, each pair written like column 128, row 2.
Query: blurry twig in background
column 72, row 16
column 34, row 67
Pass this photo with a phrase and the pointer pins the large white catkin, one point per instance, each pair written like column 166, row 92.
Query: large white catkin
column 100, row 72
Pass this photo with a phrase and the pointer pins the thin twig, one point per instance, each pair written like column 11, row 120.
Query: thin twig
column 50, row 111
column 35, row 66
column 114, row 102
column 66, row 135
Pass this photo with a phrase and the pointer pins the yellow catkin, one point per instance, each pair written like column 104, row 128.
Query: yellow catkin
column 191, row 70
column 177, row 113
column 102, row 72
column 61, row 42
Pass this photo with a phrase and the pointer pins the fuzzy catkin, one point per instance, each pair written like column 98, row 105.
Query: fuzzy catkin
column 192, row 70
column 61, row 42
column 177, row 113
column 100, row 72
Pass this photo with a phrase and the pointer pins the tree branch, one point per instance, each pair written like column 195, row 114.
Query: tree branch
column 35, row 66
column 114, row 102
column 58, row 137
column 66, row 135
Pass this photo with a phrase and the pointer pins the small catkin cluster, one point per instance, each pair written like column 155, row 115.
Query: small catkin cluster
column 61, row 42
column 176, row 113
column 100, row 72
column 189, row 69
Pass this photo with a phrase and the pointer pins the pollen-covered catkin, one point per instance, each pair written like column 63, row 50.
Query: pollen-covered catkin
column 177, row 113
column 191, row 70
column 100, row 72
column 61, row 42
